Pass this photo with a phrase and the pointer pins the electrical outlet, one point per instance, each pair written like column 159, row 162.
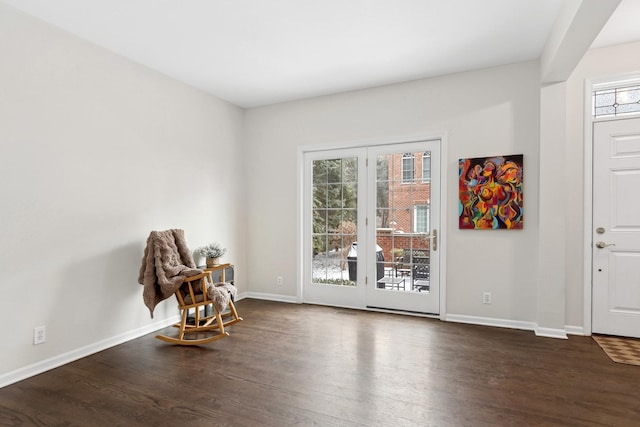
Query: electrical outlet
column 279, row 281
column 39, row 335
column 486, row 298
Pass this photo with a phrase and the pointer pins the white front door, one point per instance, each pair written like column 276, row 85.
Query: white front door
column 616, row 228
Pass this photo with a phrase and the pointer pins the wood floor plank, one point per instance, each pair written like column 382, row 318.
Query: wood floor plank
column 303, row 365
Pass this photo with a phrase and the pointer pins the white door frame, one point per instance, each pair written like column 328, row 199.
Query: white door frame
column 589, row 87
column 444, row 167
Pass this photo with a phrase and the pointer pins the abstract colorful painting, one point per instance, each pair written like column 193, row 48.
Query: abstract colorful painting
column 490, row 192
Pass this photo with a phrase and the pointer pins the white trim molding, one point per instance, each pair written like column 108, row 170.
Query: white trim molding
column 587, row 207
column 268, row 297
column 551, row 333
column 507, row 323
column 444, row 198
column 490, row 321
column 574, row 330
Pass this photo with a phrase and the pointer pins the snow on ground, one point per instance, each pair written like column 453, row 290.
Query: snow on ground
column 333, row 265
column 330, row 265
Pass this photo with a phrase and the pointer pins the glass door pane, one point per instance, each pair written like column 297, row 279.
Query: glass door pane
column 334, row 220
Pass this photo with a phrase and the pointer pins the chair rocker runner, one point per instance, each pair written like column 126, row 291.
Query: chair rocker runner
column 208, row 325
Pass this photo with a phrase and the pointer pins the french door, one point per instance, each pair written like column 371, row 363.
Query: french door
column 370, row 227
column 333, row 216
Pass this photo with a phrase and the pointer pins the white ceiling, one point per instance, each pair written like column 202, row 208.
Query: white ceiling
column 259, row 52
column 622, row 27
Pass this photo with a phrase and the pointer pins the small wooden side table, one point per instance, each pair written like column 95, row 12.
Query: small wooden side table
column 221, row 268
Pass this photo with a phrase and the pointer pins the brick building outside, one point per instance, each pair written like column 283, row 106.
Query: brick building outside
column 404, row 222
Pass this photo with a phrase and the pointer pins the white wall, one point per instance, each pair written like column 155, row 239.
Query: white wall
column 488, row 112
column 96, row 152
column 597, row 64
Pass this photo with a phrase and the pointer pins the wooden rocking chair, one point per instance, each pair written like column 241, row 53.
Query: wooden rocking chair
column 207, row 325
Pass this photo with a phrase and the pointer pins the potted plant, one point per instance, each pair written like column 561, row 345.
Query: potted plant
column 212, row 251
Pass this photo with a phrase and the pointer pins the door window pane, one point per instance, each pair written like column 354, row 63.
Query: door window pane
column 616, row 101
column 334, row 222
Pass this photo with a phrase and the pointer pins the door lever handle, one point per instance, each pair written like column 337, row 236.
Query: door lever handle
column 434, row 240
column 602, row 245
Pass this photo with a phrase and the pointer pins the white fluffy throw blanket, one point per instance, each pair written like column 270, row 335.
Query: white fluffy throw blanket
column 167, row 261
column 220, row 294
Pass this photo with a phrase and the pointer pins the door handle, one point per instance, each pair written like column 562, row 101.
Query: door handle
column 434, row 240
column 602, row 245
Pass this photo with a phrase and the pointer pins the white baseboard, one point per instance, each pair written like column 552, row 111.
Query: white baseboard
column 551, row 333
column 268, row 297
column 68, row 357
column 575, row 330
column 506, row 323
column 490, row 321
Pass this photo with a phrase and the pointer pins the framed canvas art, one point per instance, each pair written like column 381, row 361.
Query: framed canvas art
column 490, row 190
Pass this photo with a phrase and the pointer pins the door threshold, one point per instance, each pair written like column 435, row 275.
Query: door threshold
column 406, row 312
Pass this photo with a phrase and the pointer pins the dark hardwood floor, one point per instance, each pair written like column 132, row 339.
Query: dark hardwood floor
column 302, row 365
